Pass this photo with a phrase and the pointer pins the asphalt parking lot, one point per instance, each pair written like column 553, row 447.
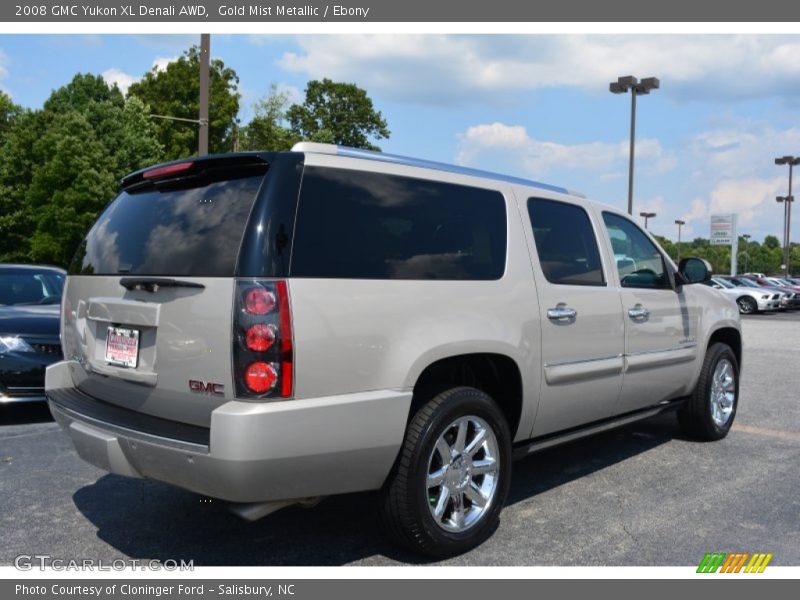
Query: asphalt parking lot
column 641, row 495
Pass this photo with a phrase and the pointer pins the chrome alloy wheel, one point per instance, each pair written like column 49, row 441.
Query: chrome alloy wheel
column 723, row 392
column 463, row 473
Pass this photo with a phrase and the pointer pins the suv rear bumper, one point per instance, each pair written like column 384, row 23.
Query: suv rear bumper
column 256, row 452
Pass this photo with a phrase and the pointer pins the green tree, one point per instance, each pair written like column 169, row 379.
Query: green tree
column 174, row 92
column 337, row 113
column 8, row 112
column 59, row 166
column 267, row 130
column 794, row 260
column 771, row 242
column 83, row 90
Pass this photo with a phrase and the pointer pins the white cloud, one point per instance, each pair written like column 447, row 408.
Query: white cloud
column 161, row 62
column 293, row 94
column 122, row 79
column 446, row 69
column 698, row 211
column 749, row 198
column 744, row 148
column 3, row 64
column 535, row 157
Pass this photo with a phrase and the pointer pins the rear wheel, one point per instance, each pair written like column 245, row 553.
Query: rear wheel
column 710, row 410
column 451, row 480
column 747, row 306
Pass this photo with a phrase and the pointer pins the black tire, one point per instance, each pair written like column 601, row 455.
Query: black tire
column 407, row 502
column 696, row 417
column 747, row 306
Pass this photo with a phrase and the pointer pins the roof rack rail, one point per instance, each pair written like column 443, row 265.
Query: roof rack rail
column 332, row 149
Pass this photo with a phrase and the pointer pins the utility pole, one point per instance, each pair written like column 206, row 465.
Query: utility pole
column 205, row 51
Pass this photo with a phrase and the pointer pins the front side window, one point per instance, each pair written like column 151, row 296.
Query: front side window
column 565, row 243
column 639, row 263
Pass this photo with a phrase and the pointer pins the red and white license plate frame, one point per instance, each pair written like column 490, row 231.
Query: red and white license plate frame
column 122, row 347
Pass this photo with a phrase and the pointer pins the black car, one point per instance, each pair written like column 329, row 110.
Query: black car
column 30, row 298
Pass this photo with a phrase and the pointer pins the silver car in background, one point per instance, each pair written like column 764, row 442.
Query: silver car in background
column 749, row 300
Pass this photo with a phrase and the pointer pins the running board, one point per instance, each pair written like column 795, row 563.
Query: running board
column 525, row 448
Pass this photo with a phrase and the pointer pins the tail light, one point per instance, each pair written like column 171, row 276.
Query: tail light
column 262, row 340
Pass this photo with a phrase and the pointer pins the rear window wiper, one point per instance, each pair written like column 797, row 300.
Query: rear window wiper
column 151, row 284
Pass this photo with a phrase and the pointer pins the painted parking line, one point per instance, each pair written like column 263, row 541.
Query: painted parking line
column 777, row 433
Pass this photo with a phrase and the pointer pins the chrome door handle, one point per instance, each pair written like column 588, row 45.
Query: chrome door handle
column 562, row 313
column 639, row 313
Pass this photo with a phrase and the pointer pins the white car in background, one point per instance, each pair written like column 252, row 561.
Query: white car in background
column 749, row 300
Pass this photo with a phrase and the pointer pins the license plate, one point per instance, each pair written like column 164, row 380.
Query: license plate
column 122, row 347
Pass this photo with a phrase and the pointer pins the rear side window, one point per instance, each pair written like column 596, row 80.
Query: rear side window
column 357, row 225
column 565, row 243
column 194, row 230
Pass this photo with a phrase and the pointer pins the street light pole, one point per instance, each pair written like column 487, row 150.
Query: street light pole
column 787, row 210
column 746, row 237
column 631, row 152
column 636, row 88
column 647, row 215
column 680, row 224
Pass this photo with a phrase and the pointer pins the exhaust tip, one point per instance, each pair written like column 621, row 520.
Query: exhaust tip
column 253, row 511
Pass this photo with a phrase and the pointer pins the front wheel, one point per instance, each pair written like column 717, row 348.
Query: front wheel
column 747, row 306
column 451, row 480
column 710, row 410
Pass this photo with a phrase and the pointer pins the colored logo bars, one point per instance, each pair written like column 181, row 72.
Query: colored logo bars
column 734, row 563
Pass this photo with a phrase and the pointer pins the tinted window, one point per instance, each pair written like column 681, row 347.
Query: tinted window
column 171, row 231
column 352, row 224
column 31, row 288
column 639, row 262
column 565, row 243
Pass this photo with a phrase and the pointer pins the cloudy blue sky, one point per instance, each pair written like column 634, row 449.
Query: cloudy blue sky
column 536, row 106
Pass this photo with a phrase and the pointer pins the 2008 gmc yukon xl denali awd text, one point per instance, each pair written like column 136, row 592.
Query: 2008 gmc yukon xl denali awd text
column 268, row 328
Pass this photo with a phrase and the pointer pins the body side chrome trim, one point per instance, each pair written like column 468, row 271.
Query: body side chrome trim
column 660, row 358
column 576, row 370
column 583, row 369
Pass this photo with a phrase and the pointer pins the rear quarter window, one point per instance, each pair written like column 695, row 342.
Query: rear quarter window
column 360, row 225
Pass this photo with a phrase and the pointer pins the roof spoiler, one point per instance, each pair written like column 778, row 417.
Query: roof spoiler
column 190, row 168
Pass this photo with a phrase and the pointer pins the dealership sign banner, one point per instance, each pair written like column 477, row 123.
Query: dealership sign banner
column 723, row 230
column 407, row 11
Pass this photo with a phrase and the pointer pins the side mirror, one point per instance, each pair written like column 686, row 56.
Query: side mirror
column 695, row 270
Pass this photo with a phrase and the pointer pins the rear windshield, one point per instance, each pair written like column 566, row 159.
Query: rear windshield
column 357, row 225
column 171, row 230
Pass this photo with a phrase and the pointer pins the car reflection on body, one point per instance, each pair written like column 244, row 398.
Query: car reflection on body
column 30, row 297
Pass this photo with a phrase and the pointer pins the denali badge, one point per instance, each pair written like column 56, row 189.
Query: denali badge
column 202, row 387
